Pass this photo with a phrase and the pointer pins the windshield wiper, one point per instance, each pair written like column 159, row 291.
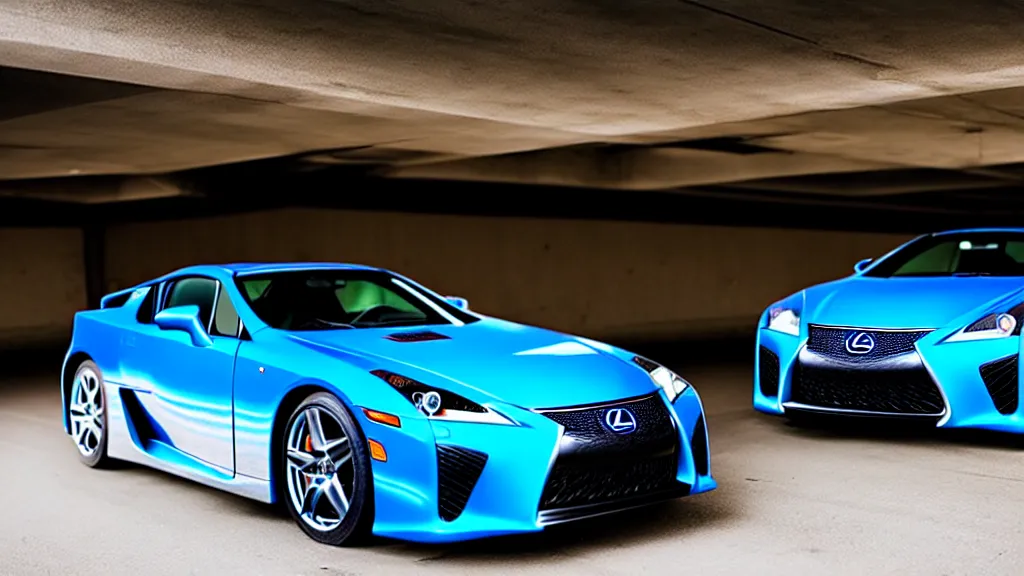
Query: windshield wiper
column 968, row 274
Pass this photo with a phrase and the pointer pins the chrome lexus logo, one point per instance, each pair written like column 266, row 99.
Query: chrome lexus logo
column 860, row 343
column 620, row 421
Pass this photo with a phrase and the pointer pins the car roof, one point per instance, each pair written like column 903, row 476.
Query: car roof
column 264, row 267
column 246, row 268
column 975, row 230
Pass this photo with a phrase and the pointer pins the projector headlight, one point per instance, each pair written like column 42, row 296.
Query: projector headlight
column 785, row 320
column 438, row 404
column 784, row 315
column 991, row 326
column 669, row 381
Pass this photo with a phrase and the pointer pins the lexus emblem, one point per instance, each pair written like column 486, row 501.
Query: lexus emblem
column 620, row 421
column 860, row 343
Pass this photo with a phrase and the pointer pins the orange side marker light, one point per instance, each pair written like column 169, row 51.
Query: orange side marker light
column 383, row 418
column 377, row 451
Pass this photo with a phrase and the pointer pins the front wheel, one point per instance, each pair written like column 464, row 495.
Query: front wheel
column 327, row 472
column 88, row 416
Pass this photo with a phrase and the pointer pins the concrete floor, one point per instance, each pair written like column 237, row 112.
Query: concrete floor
column 792, row 500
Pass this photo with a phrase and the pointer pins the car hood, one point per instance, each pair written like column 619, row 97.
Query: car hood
column 903, row 302
column 521, row 365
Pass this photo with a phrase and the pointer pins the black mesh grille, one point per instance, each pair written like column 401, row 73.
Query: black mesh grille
column 768, row 371
column 595, row 465
column 831, row 342
column 910, row 391
column 458, row 470
column 699, row 445
column 591, row 483
column 1000, row 378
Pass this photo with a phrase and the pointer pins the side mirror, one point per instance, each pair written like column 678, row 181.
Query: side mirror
column 460, row 303
column 862, row 265
column 185, row 319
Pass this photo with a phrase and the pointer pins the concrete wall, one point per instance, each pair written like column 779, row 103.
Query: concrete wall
column 42, row 284
column 601, row 279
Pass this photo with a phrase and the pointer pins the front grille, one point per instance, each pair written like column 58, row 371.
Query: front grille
column 768, row 371
column 596, row 466
column 831, row 342
column 1000, row 377
column 458, row 470
column 903, row 391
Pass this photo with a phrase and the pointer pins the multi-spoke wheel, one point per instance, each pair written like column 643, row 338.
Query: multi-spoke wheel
column 87, row 415
column 327, row 472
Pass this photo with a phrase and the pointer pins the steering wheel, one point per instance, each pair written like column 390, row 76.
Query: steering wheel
column 380, row 310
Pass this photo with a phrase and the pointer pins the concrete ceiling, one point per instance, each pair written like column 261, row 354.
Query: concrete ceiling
column 867, row 98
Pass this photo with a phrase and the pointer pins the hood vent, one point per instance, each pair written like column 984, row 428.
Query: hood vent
column 416, row 336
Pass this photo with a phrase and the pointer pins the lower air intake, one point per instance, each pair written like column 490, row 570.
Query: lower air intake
column 593, row 483
column 911, row 392
column 768, row 371
column 1000, row 377
column 458, row 470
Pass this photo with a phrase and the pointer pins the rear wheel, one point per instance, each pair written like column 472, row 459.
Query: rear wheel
column 329, row 483
column 87, row 415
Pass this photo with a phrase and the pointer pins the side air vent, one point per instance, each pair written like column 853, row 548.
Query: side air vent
column 458, row 470
column 699, row 448
column 1000, row 378
column 768, row 371
column 416, row 336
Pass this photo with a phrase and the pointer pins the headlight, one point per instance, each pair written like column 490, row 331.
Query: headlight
column 785, row 320
column 669, row 381
column 439, row 404
column 992, row 326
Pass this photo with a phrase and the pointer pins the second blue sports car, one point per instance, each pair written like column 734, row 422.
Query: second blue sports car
column 366, row 403
column 930, row 331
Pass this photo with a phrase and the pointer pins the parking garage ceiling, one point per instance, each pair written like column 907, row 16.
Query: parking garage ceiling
column 906, row 105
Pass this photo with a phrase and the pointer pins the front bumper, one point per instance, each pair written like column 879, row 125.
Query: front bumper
column 425, row 491
column 976, row 383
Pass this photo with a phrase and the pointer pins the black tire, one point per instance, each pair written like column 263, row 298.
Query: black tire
column 98, row 458
column 357, row 524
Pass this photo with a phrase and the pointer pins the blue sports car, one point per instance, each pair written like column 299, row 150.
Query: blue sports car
column 930, row 331
column 368, row 404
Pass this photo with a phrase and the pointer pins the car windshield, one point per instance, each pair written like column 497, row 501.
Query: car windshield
column 342, row 299
column 962, row 254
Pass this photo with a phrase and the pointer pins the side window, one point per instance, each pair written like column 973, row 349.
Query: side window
column 225, row 317
column 199, row 292
column 145, row 313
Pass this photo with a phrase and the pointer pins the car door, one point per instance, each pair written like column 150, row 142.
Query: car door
column 191, row 387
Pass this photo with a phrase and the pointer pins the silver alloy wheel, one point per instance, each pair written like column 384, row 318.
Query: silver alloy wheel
column 321, row 472
column 86, row 412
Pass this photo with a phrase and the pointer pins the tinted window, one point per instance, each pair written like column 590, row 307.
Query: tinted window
column 199, row 292
column 969, row 254
column 225, row 318
column 145, row 312
column 334, row 299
